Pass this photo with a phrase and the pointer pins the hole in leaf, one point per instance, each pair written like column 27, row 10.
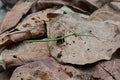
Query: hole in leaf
column 33, row 18
column 90, row 31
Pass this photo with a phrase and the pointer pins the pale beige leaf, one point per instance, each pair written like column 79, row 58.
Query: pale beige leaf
column 83, row 50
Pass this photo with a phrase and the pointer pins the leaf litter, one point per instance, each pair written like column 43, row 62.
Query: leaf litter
column 45, row 36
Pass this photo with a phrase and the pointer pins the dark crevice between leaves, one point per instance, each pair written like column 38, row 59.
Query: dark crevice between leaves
column 10, row 70
column 116, row 55
column 83, row 4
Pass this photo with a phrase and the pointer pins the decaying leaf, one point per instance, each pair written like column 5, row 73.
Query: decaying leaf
column 31, row 20
column 92, row 40
column 77, row 5
column 24, row 53
column 33, row 26
column 13, row 17
column 18, row 36
column 115, row 5
column 99, row 3
column 83, row 77
column 62, row 10
column 112, row 66
column 106, row 13
column 45, row 69
column 77, row 40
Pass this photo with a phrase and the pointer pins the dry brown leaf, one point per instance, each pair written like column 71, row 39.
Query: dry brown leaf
column 17, row 36
column 97, row 71
column 106, row 13
column 31, row 20
column 82, row 50
column 115, row 5
column 45, row 69
column 13, row 17
column 24, row 53
column 83, row 4
column 79, row 6
column 33, row 26
column 83, row 77
column 113, row 66
column 105, row 70
column 99, row 3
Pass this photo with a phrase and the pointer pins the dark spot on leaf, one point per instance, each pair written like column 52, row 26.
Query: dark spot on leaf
column 59, row 55
column 58, row 70
column 33, row 18
column 73, row 56
column 73, row 41
column 21, row 78
column 26, row 25
column 104, row 66
column 90, row 31
column 52, row 15
column 66, row 43
column 70, row 74
column 38, row 17
column 88, row 49
column 14, row 56
column 36, row 73
column 64, row 12
column 75, row 35
column 109, row 50
column 37, row 21
column 65, row 69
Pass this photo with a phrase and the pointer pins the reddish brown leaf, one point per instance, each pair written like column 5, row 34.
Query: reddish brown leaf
column 33, row 26
column 45, row 69
column 13, row 17
column 24, row 53
column 79, row 6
